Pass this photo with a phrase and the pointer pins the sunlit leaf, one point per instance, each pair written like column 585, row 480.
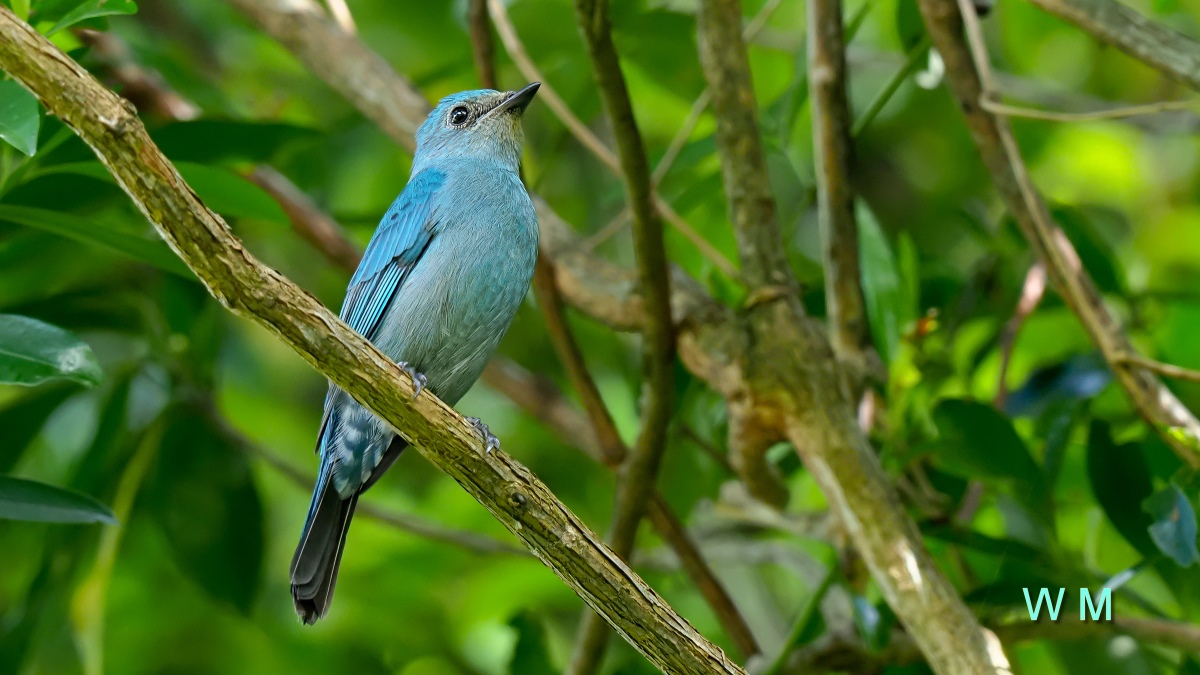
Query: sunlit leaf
column 22, row 499
column 91, row 9
column 1174, row 528
column 20, row 117
column 32, row 352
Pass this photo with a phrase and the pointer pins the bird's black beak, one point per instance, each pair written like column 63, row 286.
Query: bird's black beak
column 519, row 100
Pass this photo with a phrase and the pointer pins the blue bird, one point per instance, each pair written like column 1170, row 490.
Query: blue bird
column 436, row 290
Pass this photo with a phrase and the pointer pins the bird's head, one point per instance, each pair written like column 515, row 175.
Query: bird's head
column 482, row 123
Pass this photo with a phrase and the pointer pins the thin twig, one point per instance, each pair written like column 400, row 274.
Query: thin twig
column 1032, row 291
column 1174, row 54
column 404, row 522
column 911, row 65
column 968, row 71
column 341, row 14
column 833, row 150
column 309, row 221
column 1166, row 369
column 1090, row 115
column 516, row 50
column 638, row 473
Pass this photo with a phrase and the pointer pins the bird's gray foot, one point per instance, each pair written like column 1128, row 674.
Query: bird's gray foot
column 419, row 379
column 490, row 441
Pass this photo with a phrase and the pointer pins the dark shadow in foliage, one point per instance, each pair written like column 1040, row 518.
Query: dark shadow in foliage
column 202, row 495
column 531, row 655
column 1078, row 378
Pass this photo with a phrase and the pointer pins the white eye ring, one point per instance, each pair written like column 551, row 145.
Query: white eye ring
column 459, row 116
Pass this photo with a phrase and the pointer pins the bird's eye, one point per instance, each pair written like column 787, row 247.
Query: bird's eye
column 458, row 116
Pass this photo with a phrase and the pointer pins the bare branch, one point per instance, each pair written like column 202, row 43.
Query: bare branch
column 969, row 74
column 481, row 43
column 1091, row 115
column 310, row 222
column 1174, row 54
column 341, row 14
column 833, row 150
column 1165, row 369
column 638, row 473
column 143, row 87
column 1032, row 290
column 744, row 169
column 515, row 496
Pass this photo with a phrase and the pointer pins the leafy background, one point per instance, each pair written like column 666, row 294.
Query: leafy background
column 188, row 426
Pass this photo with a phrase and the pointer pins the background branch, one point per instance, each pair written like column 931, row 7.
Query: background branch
column 637, row 474
column 522, row 503
column 1175, row 55
column 833, row 150
column 969, row 75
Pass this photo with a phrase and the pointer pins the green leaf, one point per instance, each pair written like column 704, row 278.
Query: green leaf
column 22, row 499
column 531, row 655
column 1120, row 480
column 20, row 117
column 882, row 290
column 909, row 25
column 92, row 9
column 203, row 497
column 976, row 441
column 32, row 352
column 1174, row 527
column 151, row 251
column 207, row 141
column 229, row 194
column 24, row 418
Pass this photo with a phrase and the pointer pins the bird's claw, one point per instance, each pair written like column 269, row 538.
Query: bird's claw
column 490, row 441
column 419, row 379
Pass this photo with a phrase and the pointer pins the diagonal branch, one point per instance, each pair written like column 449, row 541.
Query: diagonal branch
column 1174, row 54
column 969, row 76
column 310, row 222
column 639, row 471
column 833, row 149
column 515, row 496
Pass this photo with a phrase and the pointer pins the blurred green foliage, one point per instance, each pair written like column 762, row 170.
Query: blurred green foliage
column 1062, row 485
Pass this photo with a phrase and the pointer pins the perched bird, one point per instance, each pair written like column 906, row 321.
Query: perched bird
column 436, row 290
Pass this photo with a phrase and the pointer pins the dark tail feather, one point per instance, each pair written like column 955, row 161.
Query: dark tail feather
column 315, row 564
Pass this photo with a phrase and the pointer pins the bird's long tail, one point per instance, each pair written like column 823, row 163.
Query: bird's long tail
column 315, row 564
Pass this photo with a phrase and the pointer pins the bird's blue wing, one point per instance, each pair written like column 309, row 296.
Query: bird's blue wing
column 397, row 245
